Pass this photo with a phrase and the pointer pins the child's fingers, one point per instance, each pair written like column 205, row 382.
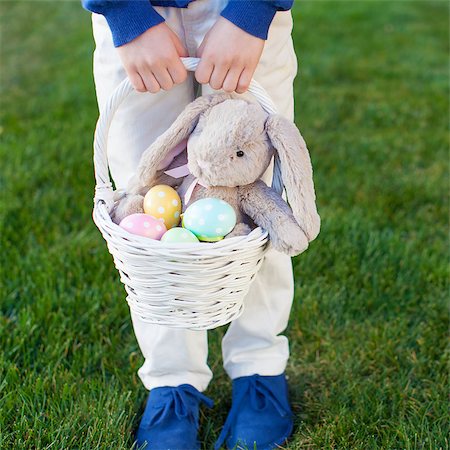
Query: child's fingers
column 204, row 70
column 218, row 76
column 231, row 80
column 163, row 77
column 151, row 83
column 137, row 81
column 178, row 72
column 244, row 81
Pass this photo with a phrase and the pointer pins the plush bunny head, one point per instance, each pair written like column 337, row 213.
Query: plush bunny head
column 229, row 146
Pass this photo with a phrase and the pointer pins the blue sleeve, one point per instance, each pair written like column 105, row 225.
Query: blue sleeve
column 126, row 19
column 254, row 16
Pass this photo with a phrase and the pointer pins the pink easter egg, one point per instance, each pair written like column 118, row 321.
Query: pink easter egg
column 144, row 225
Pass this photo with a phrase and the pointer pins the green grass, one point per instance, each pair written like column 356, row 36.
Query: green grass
column 369, row 326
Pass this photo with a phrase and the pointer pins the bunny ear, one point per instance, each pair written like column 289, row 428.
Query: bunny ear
column 297, row 173
column 181, row 128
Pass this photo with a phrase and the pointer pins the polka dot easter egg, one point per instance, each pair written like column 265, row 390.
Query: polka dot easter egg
column 143, row 225
column 210, row 219
column 163, row 202
column 179, row 236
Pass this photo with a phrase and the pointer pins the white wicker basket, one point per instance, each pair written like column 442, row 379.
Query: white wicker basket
column 196, row 286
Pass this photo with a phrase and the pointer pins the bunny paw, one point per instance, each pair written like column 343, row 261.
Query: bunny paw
column 130, row 204
column 289, row 239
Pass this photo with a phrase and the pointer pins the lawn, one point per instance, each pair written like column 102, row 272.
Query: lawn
column 368, row 331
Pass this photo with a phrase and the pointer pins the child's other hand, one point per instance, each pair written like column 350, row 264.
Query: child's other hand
column 152, row 60
column 229, row 57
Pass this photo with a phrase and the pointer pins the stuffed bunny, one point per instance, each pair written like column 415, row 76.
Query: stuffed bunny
column 230, row 144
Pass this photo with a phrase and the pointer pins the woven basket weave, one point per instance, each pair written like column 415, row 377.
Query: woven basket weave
column 196, row 286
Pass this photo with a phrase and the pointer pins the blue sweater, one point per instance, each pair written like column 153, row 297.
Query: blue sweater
column 127, row 19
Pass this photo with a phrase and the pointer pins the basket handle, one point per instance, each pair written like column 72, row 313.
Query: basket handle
column 103, row 188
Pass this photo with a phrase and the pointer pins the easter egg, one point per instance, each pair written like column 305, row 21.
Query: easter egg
column 179, row 235
column 163, row 202
column 210, row 219
column 143, row 225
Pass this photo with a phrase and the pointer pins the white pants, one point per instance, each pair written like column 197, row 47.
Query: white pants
column 252, row 344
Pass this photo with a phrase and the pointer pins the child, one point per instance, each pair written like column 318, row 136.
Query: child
column 236, row 40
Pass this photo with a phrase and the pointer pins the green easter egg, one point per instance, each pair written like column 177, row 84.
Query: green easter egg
column 179, row 235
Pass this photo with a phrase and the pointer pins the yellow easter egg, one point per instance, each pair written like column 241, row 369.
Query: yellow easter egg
column 163, row 202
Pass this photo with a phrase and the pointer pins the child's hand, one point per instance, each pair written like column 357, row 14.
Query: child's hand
column 229, row 57
column 152, row 60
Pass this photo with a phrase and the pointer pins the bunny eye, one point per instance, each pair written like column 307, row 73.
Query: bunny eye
column 240, row 153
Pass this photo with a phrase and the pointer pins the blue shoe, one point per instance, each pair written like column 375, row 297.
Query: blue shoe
column 260, row 414
column 170, row 420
